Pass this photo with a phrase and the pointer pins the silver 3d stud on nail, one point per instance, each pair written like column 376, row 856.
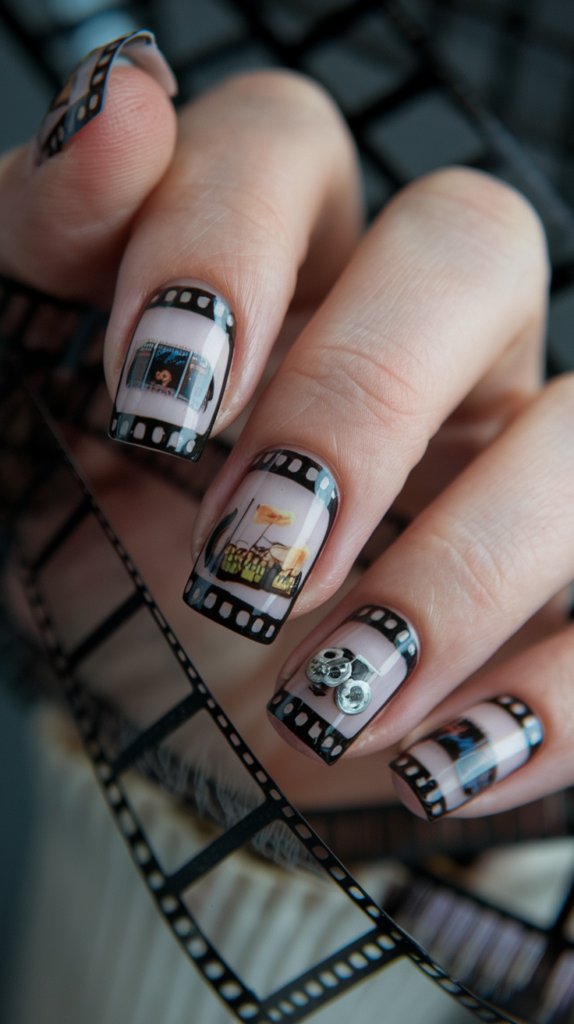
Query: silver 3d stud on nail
column 349, row 674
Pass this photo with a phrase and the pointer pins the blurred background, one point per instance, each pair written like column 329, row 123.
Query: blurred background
column 423, row 83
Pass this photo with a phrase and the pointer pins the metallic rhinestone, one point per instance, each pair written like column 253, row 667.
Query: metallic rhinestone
column 353, row 696
column 330, row 667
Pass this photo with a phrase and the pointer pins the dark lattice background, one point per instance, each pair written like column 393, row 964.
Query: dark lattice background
column 489, row 83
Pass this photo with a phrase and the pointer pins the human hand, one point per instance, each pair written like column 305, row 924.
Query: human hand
column 435, row 320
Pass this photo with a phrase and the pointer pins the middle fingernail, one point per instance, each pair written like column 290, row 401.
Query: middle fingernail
column 175, row 371
column 258, row 557
column 333, row 696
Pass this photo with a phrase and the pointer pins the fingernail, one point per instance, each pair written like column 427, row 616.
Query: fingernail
column 175, row 371
column 461, row 759
column 335, row 695
column 260, row 554
column 83, row 96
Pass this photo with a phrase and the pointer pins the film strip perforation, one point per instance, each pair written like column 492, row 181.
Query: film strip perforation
column 335, row 974
column 309, row 726
column 221, row 606
column 523, row 715
column 413, row 772
column 304, row 470
column 87, row 106
column 197, row 300
column 394, row 628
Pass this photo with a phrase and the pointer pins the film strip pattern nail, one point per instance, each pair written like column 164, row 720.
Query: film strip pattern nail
column 458, row 761
column 175, row 372
column 382, row 943
column 83, row 96
column 333, row 697
column 258, row 557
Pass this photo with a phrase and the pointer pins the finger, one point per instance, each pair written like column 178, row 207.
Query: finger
column 493, row 727
column 68, row 198
column 264, row 183
column 447, row 286
column 476, row 565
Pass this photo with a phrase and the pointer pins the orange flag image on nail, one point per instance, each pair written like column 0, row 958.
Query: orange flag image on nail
column 273, row 516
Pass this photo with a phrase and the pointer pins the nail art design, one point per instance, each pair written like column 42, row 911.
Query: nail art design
column 257, row 558
column 332, row 698
column 83, row 96
column 175, row 371
column 459, row 760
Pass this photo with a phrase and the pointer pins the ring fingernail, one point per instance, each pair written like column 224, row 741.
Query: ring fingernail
column 256, row 560
column 456, row 762
column 335, row 695
column 82, row 97
column 175, row 371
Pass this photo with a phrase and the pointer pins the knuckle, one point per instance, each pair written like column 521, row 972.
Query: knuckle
column 479, row 580
column 558, row 396
column 280, row 102
column 488, row 214
column 378, row 400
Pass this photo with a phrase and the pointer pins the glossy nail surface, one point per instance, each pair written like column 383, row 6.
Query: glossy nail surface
column 175, row 371
column 83, row 96
column 459, row 760
column 259, row 555
column 335, row 695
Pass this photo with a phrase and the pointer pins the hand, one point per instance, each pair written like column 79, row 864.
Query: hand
column 416, row 382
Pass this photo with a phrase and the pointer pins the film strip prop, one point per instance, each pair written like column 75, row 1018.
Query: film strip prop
column 381, row 944
column 507, row 959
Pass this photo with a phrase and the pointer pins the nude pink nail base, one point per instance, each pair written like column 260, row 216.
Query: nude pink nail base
column 259, row 556
column 83, row 96
column 458, row 761
column 175, row 371
column 334, row 696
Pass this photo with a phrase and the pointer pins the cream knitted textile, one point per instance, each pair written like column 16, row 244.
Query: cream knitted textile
column 94, row 950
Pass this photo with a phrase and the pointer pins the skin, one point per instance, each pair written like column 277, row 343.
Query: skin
column 416, row 377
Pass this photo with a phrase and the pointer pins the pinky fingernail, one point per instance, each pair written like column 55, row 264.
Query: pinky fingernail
column 83, row 96
column 455, row 763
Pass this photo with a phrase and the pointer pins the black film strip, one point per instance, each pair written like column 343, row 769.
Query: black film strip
column 505, row 958
column 381, row 944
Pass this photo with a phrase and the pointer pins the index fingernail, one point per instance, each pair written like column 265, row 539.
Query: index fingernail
column 175, row 371
column 83, row 96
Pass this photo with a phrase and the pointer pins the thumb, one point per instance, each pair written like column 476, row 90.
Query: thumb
column 67, row 199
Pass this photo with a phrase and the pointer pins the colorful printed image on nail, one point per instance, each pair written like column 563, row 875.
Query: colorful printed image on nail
column 83, row 96
column 460, row 760
column 334, row 696
column 175, row 371
column 259, row 555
